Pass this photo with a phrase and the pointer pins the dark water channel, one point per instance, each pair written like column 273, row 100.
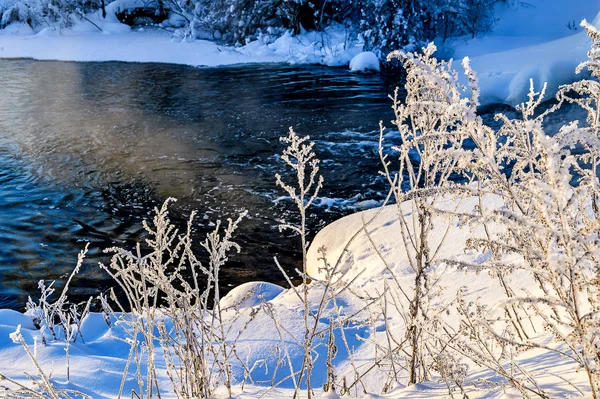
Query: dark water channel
column 88, row 149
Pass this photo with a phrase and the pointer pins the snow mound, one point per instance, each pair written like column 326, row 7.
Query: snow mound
column 365, row 61
column 11, row 318
column 351, row 250
column 250, row 294
column 17, row 29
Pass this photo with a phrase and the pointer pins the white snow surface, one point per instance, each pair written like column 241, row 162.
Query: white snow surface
column 118, row 42
column 530, row 40
column 97, row 365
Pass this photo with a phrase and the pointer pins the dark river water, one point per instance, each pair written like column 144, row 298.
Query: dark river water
column 88, row 149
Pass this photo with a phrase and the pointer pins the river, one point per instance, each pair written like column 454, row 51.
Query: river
column 87, row 150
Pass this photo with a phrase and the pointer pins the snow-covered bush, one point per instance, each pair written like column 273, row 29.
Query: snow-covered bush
column 469, row 17
column 552, row 217
column 18, row 12
column 184, row 311
column 548, row 227
column 54, row 14
column 235, row 22
column 385, row 25
column 58, row 320
column 388, row 25
column 430, row 122
column 304, row 189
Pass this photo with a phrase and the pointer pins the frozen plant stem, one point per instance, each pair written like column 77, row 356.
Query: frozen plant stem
column 300, row 157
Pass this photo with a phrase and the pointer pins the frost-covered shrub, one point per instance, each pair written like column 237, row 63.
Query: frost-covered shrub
column 430, row 123
column 41, row 14
column 238, row 21
column 385, row 25
column 234, row 22
column 547, row 227
column 472, row 17
column 180, row 313
column 59, row 319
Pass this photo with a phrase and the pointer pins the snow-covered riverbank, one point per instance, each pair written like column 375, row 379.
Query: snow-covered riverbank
column 152, row 45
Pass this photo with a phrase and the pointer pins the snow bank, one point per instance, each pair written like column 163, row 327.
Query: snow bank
column 365, row 61
column 534, row 39
column 117, row 43
column 504, row 76
column 96, row 365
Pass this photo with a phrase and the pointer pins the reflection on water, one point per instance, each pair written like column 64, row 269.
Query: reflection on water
column 88, row 149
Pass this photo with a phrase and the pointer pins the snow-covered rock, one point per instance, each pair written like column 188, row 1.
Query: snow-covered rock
column 365, row 61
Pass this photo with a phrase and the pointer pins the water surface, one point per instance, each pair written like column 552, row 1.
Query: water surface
column 88, row 149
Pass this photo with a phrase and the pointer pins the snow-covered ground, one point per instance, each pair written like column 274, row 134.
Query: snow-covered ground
column 152, row 45
column 538, row 39
column 96, row 366
column 534, row 38
column 118, row 42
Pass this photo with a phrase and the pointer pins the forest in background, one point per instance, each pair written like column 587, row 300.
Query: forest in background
column 383, row 25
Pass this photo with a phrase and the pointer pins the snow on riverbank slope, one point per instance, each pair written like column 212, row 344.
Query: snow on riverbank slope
column 538, row 39
column 97, row 364
column 147, row 46
column 117, row 42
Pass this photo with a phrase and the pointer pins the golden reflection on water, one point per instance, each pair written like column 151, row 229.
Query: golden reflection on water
column 59, row 121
